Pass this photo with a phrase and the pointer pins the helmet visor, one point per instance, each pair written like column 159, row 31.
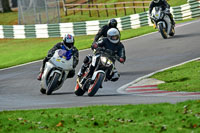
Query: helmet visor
column 156, row 1
column 115, row 37
column 113, row 24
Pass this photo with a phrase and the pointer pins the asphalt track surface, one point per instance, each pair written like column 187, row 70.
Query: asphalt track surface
column 19, row 88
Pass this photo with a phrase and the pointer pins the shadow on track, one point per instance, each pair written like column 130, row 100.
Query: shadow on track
column 185, row 35
column 62, row 93
column 107, row 95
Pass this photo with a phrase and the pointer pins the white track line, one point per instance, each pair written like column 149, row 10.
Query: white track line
column 181, row 25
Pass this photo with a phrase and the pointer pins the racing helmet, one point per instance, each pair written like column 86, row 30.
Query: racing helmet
column 113, row 35
column 112, row 23
column 156, row 1
column 68, row 40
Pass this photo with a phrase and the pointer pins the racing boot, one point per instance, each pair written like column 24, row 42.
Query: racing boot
column 82, row 70
column 115, row 76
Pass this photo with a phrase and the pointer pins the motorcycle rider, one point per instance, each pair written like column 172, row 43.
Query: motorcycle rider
column 66, row 44
column 112, row 23
column 164, row 5
column 111, row 42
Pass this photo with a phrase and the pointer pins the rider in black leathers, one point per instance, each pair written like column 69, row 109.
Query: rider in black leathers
column 112, row 42
column 67, row 43
column 164, row 5
column 103, row 31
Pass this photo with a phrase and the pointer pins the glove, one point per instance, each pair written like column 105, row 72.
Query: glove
column 121, row 60
column 94, row 45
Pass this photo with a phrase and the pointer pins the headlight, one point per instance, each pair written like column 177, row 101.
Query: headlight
column 157, row 16
column 106, row 62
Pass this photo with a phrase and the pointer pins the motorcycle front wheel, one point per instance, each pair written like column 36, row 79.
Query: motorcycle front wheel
column 95, row 86
column 162, row 31
column 78, row 91
column 53, row 83
column 172, row 32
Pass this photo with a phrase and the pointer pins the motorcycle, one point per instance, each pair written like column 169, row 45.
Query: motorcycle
column 103, row 70
column 56, row 70
column 162, row 22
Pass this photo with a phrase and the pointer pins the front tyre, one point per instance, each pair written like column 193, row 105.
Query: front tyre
column 78, row 91
column 172, row 32
column 53, row 83
column 95, row 86
column 162, row 31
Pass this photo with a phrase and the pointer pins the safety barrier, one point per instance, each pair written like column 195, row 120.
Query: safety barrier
column 190, row 10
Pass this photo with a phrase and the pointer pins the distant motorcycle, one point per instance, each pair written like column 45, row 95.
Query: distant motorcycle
column 104, row 66
column 56, row 70
column 163, row 22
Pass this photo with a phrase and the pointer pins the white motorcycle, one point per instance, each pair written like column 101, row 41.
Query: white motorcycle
column 163, row 22
column 56, row 70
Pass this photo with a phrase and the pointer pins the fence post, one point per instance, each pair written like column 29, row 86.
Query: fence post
column 143, row 5
column 98, row 10
column 134, row 7
column 81, row 10
column 106, row 10
column 74, row 11
column 124, row 9
column 46, row 9
column 90, row 11
column 115, row 10
column 65, row 8
column 58, row 9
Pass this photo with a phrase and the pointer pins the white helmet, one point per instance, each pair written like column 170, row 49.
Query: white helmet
column 113, row 35
column 156, row 1
column 68, row 40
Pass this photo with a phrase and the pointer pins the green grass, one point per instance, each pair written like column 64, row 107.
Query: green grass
column 20, row 51
column 153, row 118
column 183, row 78
column 11, row 18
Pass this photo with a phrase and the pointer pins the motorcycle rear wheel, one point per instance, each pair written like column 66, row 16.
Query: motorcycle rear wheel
column 162, row 31
column 96, row 85
column 53, row 83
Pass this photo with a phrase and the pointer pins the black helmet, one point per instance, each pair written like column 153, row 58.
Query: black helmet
column 156, row 1
column 68, row 40
column 112, row 23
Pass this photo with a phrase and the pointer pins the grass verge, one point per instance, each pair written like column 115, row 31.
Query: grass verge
column 20, row 51
column 181, row 78
column 155, row 118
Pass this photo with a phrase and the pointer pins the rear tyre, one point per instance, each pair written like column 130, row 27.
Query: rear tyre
column 53, row 83
column 162, row 31
column 78, row 91
column 96, row 85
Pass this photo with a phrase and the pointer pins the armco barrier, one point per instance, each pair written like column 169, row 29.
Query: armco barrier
column 189, row 10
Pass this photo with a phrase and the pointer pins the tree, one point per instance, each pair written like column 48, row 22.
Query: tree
column 6, row 5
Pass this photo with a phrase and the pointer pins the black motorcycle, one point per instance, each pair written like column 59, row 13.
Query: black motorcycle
column 103, row 66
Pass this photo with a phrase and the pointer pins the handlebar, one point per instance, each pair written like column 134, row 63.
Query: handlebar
column 107, row 52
